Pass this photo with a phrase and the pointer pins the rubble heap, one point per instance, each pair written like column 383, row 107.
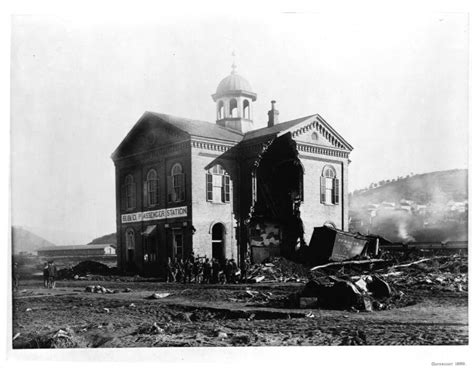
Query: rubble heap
column 84, row 268
column 278, row 269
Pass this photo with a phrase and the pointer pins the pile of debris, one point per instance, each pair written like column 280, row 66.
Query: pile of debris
column 84, row 269
column 343, row 286
column 360, row 293
column 100, row 290
column 278, row 270
column 255, row 297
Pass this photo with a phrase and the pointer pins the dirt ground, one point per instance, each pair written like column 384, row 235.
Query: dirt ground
column 224, row 315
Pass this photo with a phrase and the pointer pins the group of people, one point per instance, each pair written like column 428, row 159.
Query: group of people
column 49, row 275
column 202, row 270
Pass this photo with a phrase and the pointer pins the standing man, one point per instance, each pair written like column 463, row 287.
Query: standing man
column 169, row 271
column 16, row 276
column 52, row 272
column 206, row 269
column 46, row 275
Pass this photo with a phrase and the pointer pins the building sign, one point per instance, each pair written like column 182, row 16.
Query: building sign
column 155, row 215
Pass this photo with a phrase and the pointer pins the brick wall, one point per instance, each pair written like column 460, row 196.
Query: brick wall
column 205, row 214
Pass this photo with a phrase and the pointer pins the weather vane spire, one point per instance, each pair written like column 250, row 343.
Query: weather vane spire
column 233, row 62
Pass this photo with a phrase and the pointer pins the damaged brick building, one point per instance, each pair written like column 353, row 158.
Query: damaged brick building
column 224, row 189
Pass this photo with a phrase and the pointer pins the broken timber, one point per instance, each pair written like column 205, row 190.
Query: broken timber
column 364, row 261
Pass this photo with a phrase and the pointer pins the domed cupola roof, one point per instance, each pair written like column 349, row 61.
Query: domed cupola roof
column 234, row 84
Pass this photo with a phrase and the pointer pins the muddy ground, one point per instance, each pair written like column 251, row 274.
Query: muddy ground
column 226, row 315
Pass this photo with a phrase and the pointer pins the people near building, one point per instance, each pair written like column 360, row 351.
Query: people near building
column 46, row 274
column 215, row 271
column 16, row 276
column 177, row 177
column 198, row 270
column 52, row 274
column 179, row 270
column 244, row 269
column 188, row 271
column 170, row 273
column 206, row 271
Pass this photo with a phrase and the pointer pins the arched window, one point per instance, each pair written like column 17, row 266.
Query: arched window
column 233, row 108
column 329, row 186
column 151, row 188
column 220, row 110
column 218, row 185
column 129, row 193
column 314, row 136
column 130, row 244
column 176, row 184
column 246, row 109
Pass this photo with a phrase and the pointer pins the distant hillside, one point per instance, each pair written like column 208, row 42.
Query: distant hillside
column 26, row 241
column 105, row 239
column 426, row 207
column 436, row 187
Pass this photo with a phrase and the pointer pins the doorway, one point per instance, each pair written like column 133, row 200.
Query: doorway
column 177, row 243
column 218, row 246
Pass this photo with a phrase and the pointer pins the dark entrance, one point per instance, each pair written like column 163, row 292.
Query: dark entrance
column 177, row 243
column 218, row 246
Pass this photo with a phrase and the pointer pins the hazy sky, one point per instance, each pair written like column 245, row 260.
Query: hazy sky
column 395, row 87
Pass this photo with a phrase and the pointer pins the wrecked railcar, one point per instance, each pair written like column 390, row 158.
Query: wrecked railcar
column 333, row 245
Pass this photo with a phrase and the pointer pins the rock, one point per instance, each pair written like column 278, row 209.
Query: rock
column 158, row 295
column 127, row 290
column 157, row 329
column 132, row 305
column 29, row 310
column 222, row 335
column 240, row 340
column 106, row 310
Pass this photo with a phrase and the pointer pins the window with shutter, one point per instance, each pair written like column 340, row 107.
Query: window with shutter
column 336, row 191
column 182, row 188
column 151, row 188
column 323, row 189
column 130, row 192
column 209, row 187
column 218, row 185
column 176, row 188
column 226, row 188
column 134, row 195
column 169, row 183
column 329, row 186
column 145, row 193
column 123, row 198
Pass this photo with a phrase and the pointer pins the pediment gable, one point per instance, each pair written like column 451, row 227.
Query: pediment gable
column 148, row 133
column 316, row 130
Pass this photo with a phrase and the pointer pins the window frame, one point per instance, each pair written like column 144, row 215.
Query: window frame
column 129, row 192
column 216, row 174
column 329, row 186
column 176, row 184
column 152, row 196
